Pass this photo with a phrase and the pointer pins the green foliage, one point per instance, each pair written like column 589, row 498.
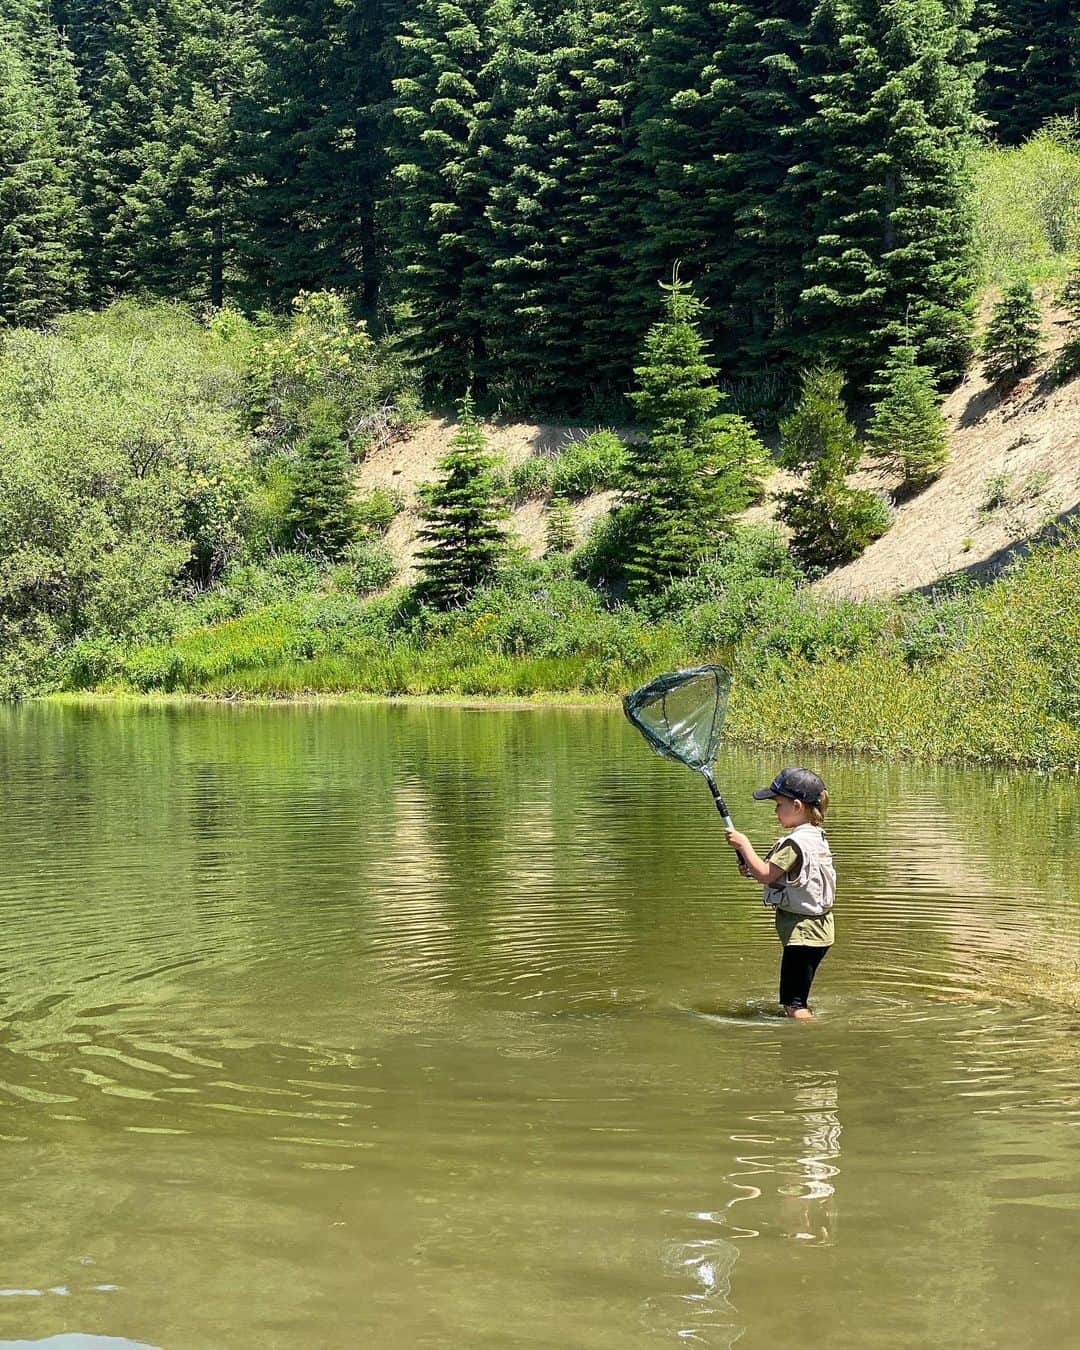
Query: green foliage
column 1067, row 362
column 124, row 465
column 1013, row 341
column 1031, row 72
column 313, row 111
column 599, row 559
column 322, row 357
column 560, row 535
column 1027, row 205
column 269, row 504
column 698, row 469
column 42, row 229
column 1002, row 686
column 886, row 185
column 831, row 523
column 369, row 566
column 908, row 429
column 461, row 512
column 321, row 516
column 586, row 464
column 1069, row 295
column 376, row 509
column 531, row 477
column 726, row 99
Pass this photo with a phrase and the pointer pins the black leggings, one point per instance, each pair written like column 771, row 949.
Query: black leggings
column 798, row 966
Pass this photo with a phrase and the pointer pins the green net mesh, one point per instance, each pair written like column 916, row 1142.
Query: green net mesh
column 681, row 715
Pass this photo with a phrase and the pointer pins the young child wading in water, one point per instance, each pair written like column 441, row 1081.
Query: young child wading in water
column 799, row 880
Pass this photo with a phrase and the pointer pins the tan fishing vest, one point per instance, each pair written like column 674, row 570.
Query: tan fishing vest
column 814, row 889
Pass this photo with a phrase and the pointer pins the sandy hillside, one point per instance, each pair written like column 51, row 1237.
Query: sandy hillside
column 1015, row 464
column 404, row 464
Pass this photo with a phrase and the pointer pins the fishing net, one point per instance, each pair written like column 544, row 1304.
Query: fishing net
column 681, row 715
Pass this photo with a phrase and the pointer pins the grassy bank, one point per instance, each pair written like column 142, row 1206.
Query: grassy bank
column 986, row 674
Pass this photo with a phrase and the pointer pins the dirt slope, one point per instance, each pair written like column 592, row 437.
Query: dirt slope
column 1015, row 464
column 404, row 464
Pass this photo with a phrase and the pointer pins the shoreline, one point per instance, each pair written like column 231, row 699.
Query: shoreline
column 565, row 702
column 490, row 702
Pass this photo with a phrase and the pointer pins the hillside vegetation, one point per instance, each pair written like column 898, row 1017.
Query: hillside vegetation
column 816, row 406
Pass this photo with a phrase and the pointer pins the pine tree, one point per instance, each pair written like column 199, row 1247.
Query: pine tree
column 314, row 128
column 698, row 469
column 886, row 157
column 566, row 301
column 908, row 430
column 321, row 516
column 198, row 209
column 560, row 535
column 461, row 514
column 725, row 97
column 1031, row 57
column 605, row 299
column 132, row 102
column 1069, row 296
column 1013, row 341
column 831, row 523
column 464, row 72
column 40, row 272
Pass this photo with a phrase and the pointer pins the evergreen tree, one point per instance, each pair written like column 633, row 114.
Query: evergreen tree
column 560, row 535
column 605, row 298
column 198, row 209
column 1031, row 58
column 567, row 306
column 322, row 516
column 461, row 513
column 725, row 97
column 698, row 469
column 908, row 430
column 1069, row 296
column 132, row 102
column 314, row 127
column 831, row 523
column 1013, row 341
column 886, row 156
column 462, row 76
column 40, row 271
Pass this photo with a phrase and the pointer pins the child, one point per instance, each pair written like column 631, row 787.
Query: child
column 799, row 880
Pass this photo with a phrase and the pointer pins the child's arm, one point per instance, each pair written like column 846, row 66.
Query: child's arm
column 764, row 872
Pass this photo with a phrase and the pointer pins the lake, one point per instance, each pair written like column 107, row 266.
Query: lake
column 408, row 1026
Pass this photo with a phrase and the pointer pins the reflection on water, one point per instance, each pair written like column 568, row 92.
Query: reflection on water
column 422, row 1027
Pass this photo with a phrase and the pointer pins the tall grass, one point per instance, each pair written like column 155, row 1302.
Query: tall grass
column 984, row 674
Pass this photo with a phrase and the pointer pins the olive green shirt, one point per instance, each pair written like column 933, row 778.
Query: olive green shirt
column 799, row 930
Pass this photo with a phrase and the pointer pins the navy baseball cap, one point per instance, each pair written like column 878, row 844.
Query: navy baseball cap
column 798, row 784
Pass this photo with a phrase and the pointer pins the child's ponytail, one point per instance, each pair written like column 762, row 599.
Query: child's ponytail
column 817, row 811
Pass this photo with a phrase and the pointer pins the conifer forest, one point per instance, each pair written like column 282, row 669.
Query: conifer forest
column 501, row 184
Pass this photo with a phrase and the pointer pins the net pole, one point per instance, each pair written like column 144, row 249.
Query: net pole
column 721, row 806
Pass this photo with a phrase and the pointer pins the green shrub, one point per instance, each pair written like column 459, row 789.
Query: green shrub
column 1027, row 205
column 530, row 478
column 599, row 560
column 376, row 509
column 369, row 566
column 592, row 464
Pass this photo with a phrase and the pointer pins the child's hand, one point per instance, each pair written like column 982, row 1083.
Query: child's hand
column 737, row 840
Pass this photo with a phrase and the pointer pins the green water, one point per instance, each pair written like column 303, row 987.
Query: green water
column 422, row 1027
